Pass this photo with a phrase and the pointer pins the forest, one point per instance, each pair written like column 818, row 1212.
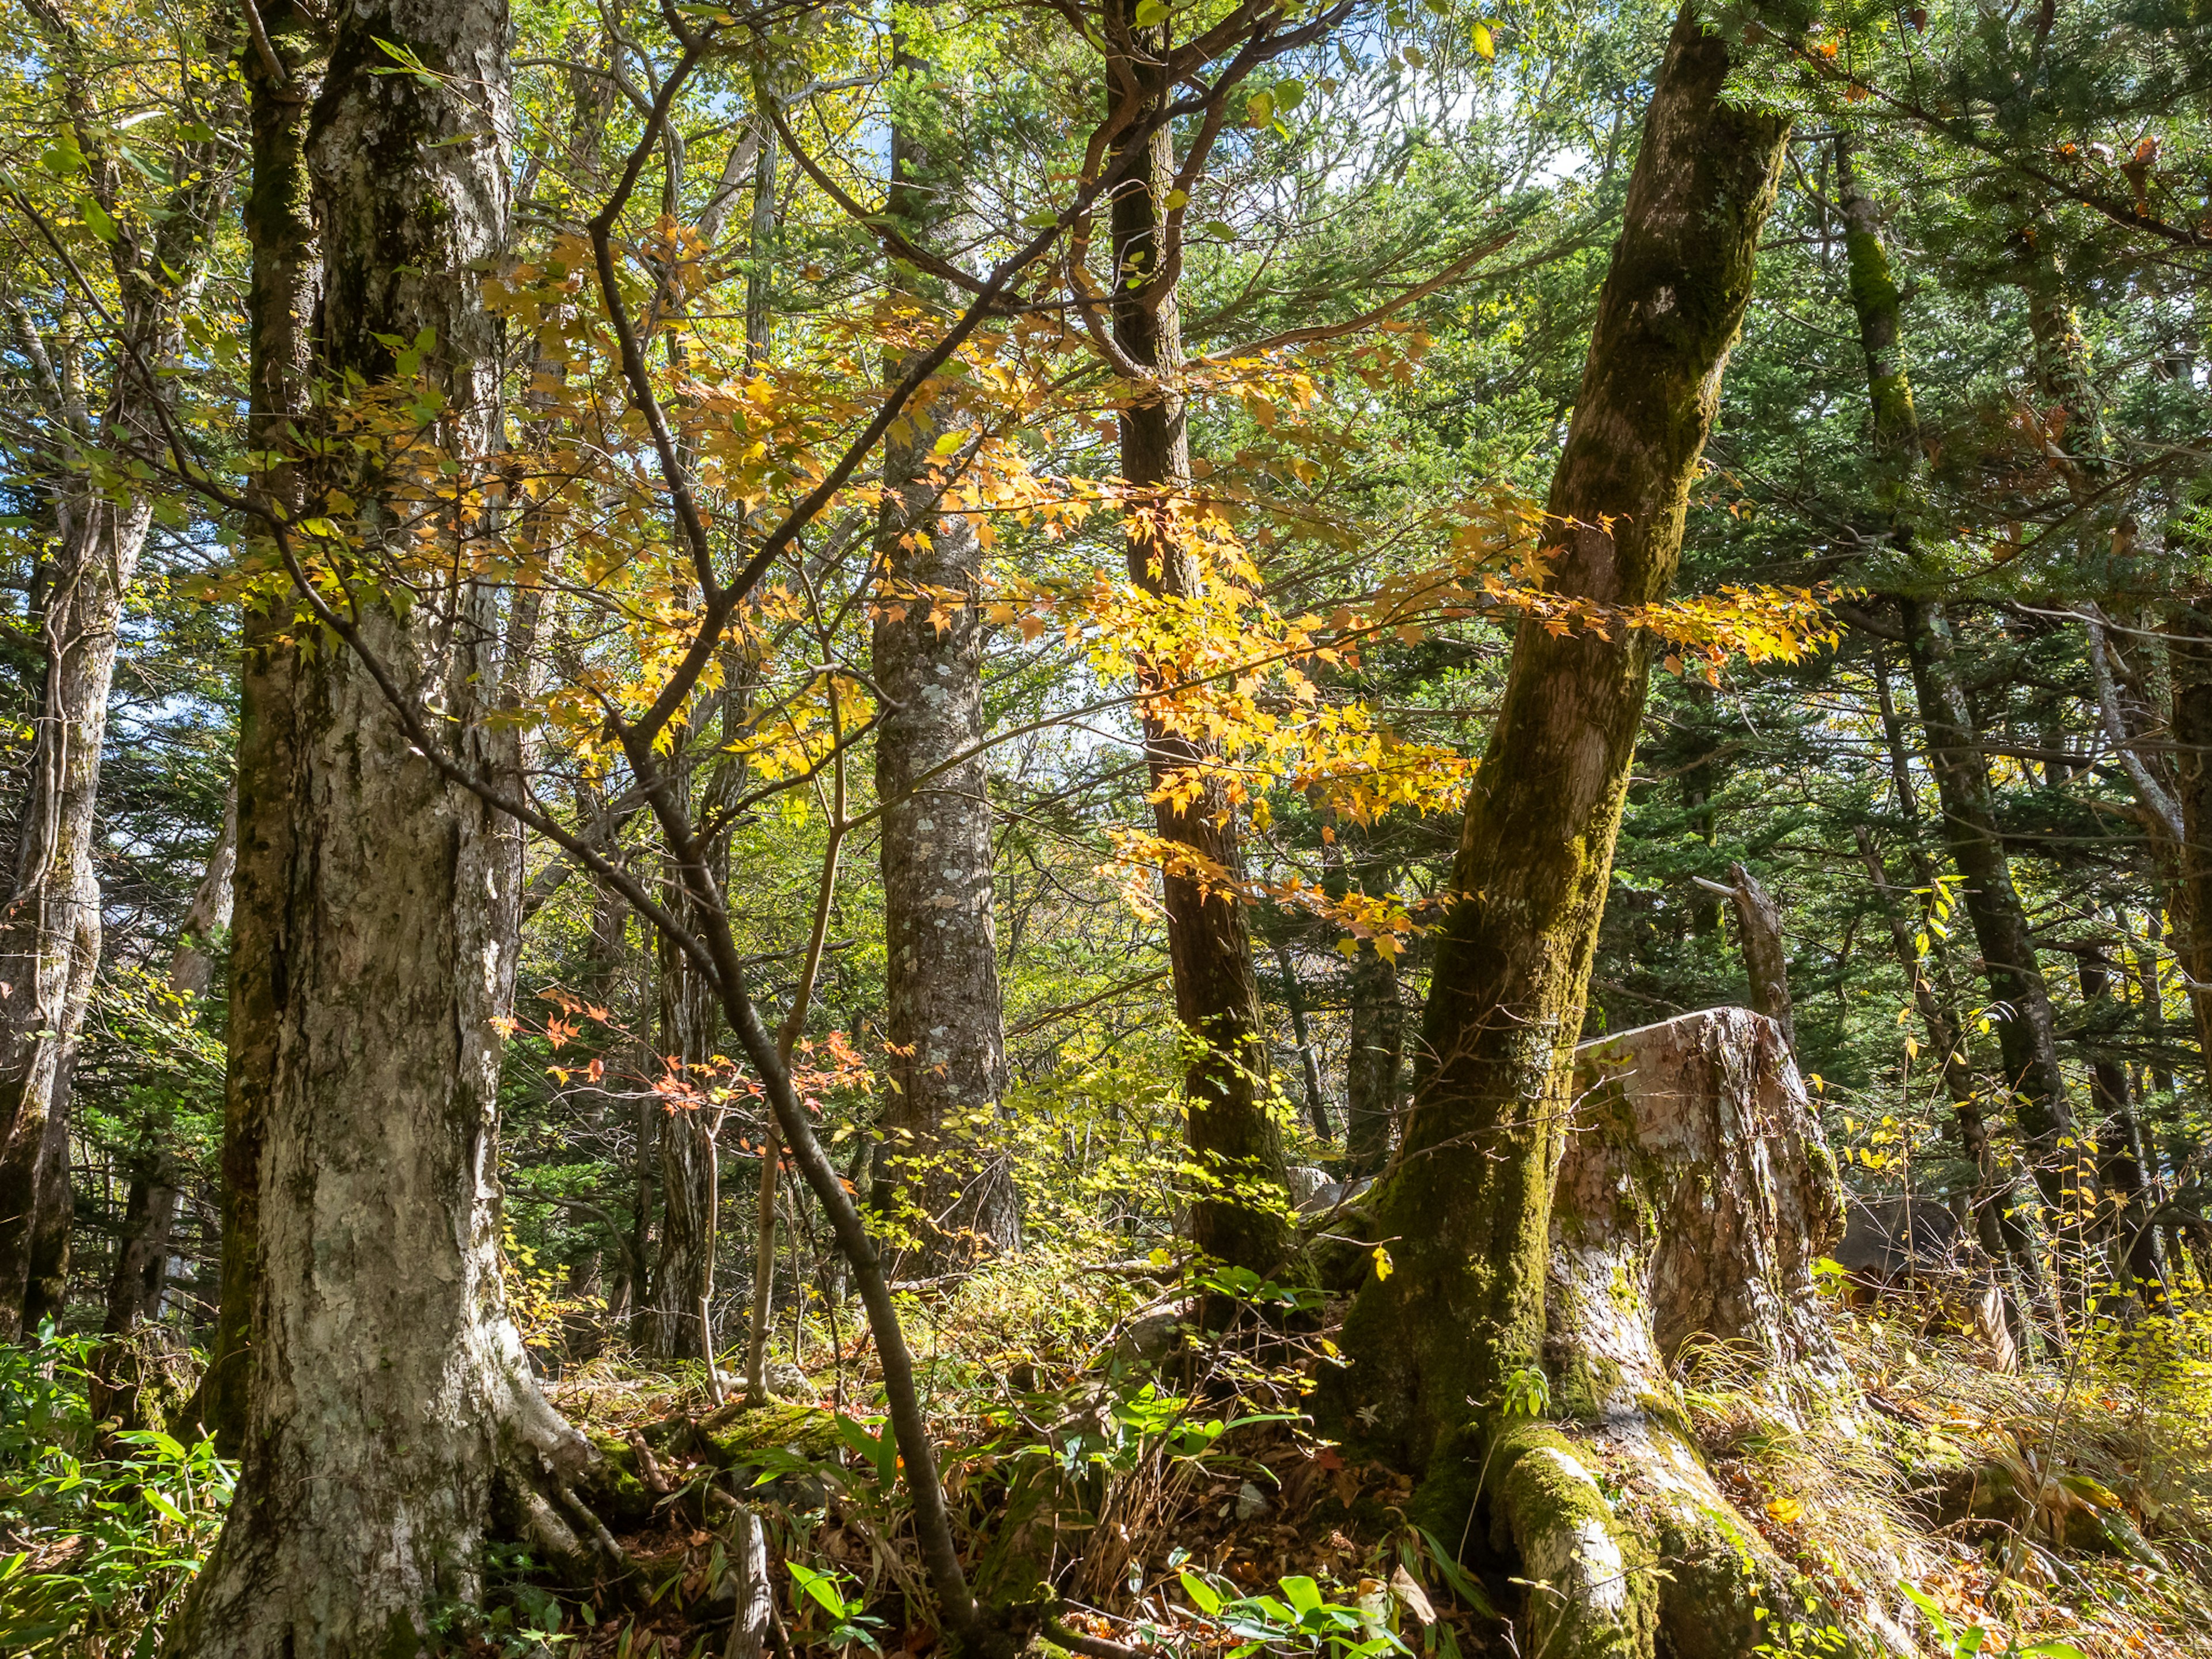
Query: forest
column 1136, row 829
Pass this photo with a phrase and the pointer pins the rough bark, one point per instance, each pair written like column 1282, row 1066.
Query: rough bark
column 943, row 1016
column 284, row 290
column 49, row 926
column 1470, row 1201
column 1237, row 1217
column 1694, row 1195
column 192, row 968
column 393, row 1404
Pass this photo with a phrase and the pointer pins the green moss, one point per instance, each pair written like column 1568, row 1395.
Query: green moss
column 740, row 1432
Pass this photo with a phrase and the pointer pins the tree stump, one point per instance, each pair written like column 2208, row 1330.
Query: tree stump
column 1695, row 1193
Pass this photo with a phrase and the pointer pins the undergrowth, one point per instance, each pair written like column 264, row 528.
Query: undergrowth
column 1184, row 1499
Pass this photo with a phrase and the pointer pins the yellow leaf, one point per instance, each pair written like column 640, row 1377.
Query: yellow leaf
column 1483, row 44
column 1382, row 1263
column 1785, row 1510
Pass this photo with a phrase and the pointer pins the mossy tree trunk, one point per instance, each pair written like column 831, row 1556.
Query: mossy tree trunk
column 1239, row 1218
column 1695, row 1196
column 284, row 289
column 1468, row 1208
column 393, row 1411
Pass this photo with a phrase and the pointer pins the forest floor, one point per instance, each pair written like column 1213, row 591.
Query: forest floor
column 2071, row 1503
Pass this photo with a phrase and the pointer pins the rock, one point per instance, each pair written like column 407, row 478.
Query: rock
column 1306, row 1183
column 1315, row 1192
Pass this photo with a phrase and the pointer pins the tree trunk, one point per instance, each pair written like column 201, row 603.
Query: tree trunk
column 1876, row 303
column 1237, row 1216
column 284, row 291
column 393, row 1404
column 1375, row 1060
column 1294, row 999
column 49, row 927
column 142, row 1258
column 2118, row 1140
column 2190, row 643
column 680, row 1323
column 1766, row 955
column 943, row 1017
column 2027, row 1042
column 1437, row 1340
column 192, row 968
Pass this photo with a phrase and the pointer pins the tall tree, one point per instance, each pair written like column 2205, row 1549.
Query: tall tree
column 1469, row 1206
column 943, row 1016
column 283, row 73
column 1234, row 1140
column 50, row 929
column 391, row 1403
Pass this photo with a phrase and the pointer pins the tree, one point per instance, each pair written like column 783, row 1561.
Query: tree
column 1234, row 1137
column 158, row 253
column 391, row 1406
column 944, row 1021
column 1469, row 1205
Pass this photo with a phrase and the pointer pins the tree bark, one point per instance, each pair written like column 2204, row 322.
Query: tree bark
column 49, row 927
column 1376, row 1062
column 1469, row 1205
column 1766, row 955
column 393, row 1404
column 943, row 1017
column 1876, row 303
column 679, row 1325
column 2190, row 643
column 285, row 290
column 192, row 968
column 1695, row 1194
column 2027, row 1042
column 142, row 1257
column 1238, row 1215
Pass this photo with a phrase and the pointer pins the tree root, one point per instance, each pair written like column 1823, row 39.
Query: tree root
column 1628, row 1546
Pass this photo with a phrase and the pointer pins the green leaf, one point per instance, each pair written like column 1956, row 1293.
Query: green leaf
column 1219, row 230
column 96, row 220
column 1203, row 1595
column 166, row 1507
column 1151, row 12
column 2053, row 1650
column 1302, row 1593
column 1289, row 94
